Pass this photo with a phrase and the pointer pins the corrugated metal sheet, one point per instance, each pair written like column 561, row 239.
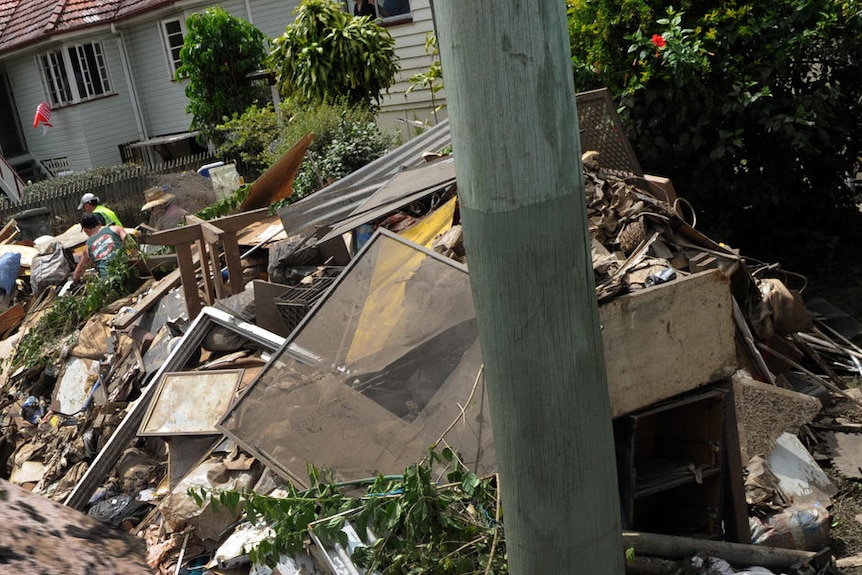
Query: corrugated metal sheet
column 338, row 200
column 601, row 130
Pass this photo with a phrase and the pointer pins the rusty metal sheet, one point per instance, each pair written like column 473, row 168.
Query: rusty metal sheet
column 191, row 402
column 339, row 199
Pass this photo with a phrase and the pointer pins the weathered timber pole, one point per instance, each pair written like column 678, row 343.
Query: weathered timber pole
column 511, row 104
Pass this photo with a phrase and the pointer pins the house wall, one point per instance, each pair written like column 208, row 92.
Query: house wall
column 148, row 103
column 162, row 99
column 398, row 109
column 86, row 133
column 272, row 16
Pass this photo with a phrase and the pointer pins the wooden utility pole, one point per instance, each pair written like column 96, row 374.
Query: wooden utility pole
column 511, row 104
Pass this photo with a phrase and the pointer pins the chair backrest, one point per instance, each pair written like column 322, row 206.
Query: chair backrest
column 602, row 131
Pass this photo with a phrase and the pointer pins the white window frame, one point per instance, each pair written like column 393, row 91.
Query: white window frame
column 172, row 50
column 395, row 19
column 75, row 73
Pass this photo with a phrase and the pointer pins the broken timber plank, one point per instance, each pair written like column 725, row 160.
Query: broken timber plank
column 675, row 547
column 748, row 339
column 166, row 284
column 828, row 384
column 667, row 340
column 8, row 232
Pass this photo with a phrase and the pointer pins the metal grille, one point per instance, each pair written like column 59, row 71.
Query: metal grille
column 602, row 131
column 295, row 303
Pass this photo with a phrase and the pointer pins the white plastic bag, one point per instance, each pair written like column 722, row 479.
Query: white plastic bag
column 50, row 267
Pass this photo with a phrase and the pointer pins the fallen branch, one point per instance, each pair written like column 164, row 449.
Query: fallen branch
column 676, row 547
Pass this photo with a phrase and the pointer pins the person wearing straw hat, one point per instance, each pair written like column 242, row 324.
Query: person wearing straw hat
column 90, row 205
column 164, row 213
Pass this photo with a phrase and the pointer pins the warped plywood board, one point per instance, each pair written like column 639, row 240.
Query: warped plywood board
column 277, row 182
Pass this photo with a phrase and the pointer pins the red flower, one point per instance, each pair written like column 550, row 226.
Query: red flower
column 658, row 41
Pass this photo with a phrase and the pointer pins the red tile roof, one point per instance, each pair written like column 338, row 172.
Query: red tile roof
column 25, row 22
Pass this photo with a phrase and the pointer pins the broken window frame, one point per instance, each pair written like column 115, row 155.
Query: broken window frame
column 107, row 458
column 296, row 352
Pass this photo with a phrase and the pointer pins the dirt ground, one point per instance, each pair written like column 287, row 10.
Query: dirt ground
column 846, row 511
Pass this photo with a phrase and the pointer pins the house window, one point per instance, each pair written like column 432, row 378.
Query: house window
column 393, row 10
column 173, row 34
column 55, row 78
column 388, row 11
column 75, row 74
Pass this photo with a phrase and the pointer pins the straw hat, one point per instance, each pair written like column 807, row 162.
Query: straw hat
column 156, row 197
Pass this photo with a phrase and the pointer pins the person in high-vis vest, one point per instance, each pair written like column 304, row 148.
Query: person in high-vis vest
column 90, row 204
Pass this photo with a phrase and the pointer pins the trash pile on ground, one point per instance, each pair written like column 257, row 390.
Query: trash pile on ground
column 341, row 333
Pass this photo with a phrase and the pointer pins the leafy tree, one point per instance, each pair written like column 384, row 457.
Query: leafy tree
column 751, row 108
column 218, row 53
column 328, row 55
column 432, row 78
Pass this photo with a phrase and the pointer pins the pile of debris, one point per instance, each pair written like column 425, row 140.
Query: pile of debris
column 341, row 333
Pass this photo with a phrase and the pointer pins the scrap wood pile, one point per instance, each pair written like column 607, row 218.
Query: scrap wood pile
column 117, row 426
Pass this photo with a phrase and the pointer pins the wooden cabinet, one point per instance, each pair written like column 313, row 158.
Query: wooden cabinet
column 675, row 476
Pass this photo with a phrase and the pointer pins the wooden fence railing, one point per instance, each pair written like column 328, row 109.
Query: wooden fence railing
column 112, row 190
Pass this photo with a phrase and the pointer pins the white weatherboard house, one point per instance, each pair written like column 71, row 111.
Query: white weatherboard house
column 106, row 69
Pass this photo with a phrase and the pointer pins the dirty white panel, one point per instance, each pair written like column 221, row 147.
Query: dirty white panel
column 191, row 402
column 667, row 340
column 74, row 387
column 799, row 476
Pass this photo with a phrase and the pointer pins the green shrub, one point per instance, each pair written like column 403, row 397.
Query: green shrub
column 249, row 138
column 345, row 139
column 327, row 55
column 752, row 109
column 218, row 53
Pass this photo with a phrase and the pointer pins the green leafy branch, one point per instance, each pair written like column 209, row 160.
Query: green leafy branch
column 226, row 205
column 418, row 525
column 68, row 313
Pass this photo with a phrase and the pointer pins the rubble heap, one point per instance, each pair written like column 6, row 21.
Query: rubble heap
column 350, row 342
